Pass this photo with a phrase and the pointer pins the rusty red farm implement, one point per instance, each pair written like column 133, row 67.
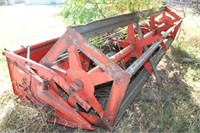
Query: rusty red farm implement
column 92, row 73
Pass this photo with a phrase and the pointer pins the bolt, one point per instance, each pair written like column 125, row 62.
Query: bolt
column 79, row 84
column 45, row 84
column 15, row 64
column 71, row 90
column 107, row 120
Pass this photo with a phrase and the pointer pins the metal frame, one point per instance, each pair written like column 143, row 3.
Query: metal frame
column 68, row 86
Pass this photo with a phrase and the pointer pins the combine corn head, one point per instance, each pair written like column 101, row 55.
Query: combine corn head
column 92, row 73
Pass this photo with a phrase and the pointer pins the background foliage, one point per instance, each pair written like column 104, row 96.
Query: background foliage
column 83, row 11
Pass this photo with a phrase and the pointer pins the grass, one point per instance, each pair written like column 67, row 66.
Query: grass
column 188, row 46
column 180, row 114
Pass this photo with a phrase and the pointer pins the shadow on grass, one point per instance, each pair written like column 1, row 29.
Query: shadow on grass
column 180, row 113
column 179, row 53
column 190, row 64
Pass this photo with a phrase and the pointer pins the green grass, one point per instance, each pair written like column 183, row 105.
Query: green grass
column 181, row 114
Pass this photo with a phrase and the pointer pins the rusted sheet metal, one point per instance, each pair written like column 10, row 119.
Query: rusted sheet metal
column 84, row 85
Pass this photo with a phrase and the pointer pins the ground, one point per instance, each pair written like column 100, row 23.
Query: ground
column 24, row 24
column 179, row 70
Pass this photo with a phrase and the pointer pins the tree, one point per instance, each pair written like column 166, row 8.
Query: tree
column 83, row 11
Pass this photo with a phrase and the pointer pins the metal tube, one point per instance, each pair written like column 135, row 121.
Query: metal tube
column 155, row 71
column 135, row 86
column 134, row 67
